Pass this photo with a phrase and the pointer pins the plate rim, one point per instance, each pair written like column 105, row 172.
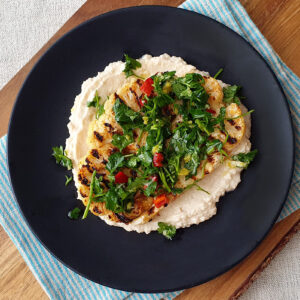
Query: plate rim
column 124, row 10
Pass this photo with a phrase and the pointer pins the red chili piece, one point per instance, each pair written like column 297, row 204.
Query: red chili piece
column 120, row 177
column 211, row 111
column 154, row 178
column 161, row 200
column 142, row 101
column 158, row 159
column 147, row 86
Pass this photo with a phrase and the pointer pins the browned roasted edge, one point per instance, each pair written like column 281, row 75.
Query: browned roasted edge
column 255, row 274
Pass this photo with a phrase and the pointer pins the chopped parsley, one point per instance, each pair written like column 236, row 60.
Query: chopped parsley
column 96, row 103
column 231, row 94
column 115, row 161
column 125, row 116
column 130, row 65
column 61, row 158
column 75, row 213
column 246, row 158
column 122, row 141
column 68, row 180
column 166, row 230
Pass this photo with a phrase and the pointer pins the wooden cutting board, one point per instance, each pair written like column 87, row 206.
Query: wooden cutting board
column 280, row 23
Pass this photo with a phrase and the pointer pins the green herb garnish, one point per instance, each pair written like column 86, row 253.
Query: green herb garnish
column 231, row 94
column 96, row 103
column 246, row 158
column 68, row 180
column 115, row 161
column 130, row 65
column 61, row 157
column 74, row 214
column 122, row 141
column 127, row 117
column 168, row 231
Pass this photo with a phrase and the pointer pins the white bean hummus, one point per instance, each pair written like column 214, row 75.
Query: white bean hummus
column 192, row 206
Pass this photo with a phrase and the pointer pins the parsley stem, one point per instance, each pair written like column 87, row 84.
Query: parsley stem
column 243, row 115
column 169, row 175
column 198, row 186
column 164, row 181
column 218, row 73
column 201, row 189
column 140, row 77
column 86, row 211
column 202, row 127
column 68, row 179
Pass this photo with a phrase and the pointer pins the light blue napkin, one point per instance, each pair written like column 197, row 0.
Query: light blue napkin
column 58, row 281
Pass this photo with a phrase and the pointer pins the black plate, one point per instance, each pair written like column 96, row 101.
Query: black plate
column 110, row 255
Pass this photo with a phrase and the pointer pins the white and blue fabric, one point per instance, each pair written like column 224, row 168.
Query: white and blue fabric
column 58, row 281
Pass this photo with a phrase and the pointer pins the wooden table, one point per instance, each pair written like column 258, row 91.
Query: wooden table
column 279, row 21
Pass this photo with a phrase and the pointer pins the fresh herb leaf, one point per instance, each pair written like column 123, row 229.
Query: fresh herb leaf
column 130, row 65
column 132, row 162
column 122, row 141
column 74, row 214
column 246, row 158
column 191, row 88
column 136, row 184
column 167, row 230
column 160, row 80
column 193, row 163
column 61, row 158
column 117, row 199
column 127, row 117
column 150, row 190
column 115, row 161
column 145, row 157
column 96, row 103
column 231, row 94
column 68, row 180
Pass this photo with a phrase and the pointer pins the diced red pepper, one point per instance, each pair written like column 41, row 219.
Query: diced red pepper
column 158, row 159
column 154, row 178
column 120, row 177
column 147, row 86
column 211, row 111
column 142, row 101
column 161, row 200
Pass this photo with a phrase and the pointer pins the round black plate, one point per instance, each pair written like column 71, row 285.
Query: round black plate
column 110, row 255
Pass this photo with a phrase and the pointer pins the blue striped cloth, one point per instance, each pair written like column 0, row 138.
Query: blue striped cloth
column 61, row 283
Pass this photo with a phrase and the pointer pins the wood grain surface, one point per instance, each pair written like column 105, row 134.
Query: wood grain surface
column 279, row 21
